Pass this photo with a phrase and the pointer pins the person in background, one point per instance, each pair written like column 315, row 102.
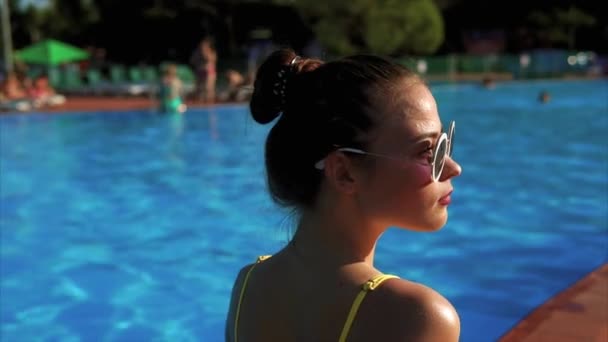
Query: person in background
column 210, row 60
column 43, row 94
column 358, row 147
column 204, row 63
column 13, row 95
column 488, row 82
column 238, row 88
column 544, row 97
column 170, row 93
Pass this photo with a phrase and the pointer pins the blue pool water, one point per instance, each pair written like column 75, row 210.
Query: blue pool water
column 131, row 226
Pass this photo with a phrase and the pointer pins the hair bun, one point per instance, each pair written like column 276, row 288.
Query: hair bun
column 270, row 87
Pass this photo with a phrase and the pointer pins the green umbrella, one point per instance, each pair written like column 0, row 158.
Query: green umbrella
column 51, row 52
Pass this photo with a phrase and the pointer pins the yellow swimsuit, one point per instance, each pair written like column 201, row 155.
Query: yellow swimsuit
column 370, row 285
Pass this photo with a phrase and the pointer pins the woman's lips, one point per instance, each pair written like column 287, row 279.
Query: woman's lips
column 445, row 200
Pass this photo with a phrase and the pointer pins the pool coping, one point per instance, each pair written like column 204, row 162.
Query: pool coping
column 579, row 313
column 95, row 104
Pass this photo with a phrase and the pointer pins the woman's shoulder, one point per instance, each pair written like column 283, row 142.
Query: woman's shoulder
column 245, row 270
column 405, row 310
column 235, row 297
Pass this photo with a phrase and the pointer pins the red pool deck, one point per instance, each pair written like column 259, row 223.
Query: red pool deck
column 88, row 104
column 578, row 314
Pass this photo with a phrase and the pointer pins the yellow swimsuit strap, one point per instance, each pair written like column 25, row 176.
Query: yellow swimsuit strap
column 238, row 307
column 370, row 285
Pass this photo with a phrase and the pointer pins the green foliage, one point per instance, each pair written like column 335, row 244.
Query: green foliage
column 75, row 16
column 384, row 27
column 573, row 17
column 560, row 26
column 34, row 21
column 332, row 34
column 60, row 18
column 394, row 26
column 170, row 9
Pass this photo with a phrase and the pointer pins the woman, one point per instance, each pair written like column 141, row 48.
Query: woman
column 358, row 148
column 13, row 95
column 210, row 57
column 170, row 93
column 44, row 94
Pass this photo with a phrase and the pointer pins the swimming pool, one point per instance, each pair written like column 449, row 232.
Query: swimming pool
column 131, row 226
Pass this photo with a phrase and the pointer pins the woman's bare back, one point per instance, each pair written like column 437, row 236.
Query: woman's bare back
column 286, row 301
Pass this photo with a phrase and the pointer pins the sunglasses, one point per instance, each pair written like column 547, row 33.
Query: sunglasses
column 442, row 149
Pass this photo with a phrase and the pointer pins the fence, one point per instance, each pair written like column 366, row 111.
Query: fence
column 535, row 64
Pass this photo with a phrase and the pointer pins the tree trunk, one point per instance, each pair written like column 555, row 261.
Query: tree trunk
column 571, row 38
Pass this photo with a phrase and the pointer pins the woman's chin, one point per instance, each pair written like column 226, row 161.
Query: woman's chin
column 431, row 225
column 440, row 222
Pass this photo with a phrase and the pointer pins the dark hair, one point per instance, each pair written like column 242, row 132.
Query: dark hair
column 321, row 105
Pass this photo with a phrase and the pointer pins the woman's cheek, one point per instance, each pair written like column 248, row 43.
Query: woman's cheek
column 421, row 174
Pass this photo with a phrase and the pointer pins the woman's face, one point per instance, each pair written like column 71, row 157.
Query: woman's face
column 402, row 192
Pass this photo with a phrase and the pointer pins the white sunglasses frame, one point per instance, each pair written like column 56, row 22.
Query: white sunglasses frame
column 446, row 138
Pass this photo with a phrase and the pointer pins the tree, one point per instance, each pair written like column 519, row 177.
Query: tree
column 62, row 19
column 560, row 26
column 414, row 27
column 34, row 19
column 22, row 24
column 384, row 26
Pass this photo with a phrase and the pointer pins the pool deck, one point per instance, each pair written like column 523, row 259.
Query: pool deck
column 91, row 103
column 578, row 314
column 85, row 104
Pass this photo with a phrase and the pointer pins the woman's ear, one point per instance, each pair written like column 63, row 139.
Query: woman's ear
column 339, row 173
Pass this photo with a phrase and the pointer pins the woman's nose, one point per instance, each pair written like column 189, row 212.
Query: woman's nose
column 450, row 169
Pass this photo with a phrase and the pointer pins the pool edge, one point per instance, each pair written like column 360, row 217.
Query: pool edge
column 578, row 313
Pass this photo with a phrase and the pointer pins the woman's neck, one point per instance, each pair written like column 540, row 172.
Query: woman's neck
column 326, row 237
